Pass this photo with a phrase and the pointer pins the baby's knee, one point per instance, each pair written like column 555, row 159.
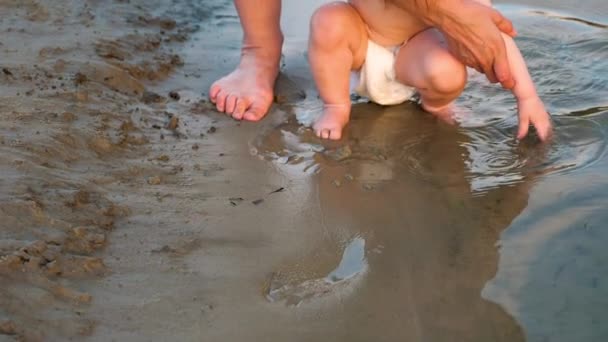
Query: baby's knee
column 445, row 74
column 329, row 24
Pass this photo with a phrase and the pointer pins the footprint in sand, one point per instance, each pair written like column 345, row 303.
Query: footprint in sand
column 341, row 279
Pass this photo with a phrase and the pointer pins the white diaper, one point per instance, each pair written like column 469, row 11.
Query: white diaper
column 377, row 80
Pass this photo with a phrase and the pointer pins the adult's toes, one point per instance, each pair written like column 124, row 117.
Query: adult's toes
column 220, row 101
column 239, row 109
column 254, row 113
column 213, row 91
column 230, row 104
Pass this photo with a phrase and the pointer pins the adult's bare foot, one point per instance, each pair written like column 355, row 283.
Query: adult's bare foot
column 247, row 92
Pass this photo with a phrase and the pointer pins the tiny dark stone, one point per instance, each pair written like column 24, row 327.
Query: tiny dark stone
column 174, row 95
column 173, row 123
column 234, row 201
column 257, row 201
column 80, row 78
column 212, row 129
column 151, row 97
column 164, row 249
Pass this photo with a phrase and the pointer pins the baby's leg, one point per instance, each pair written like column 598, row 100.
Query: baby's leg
column 425, row 63
column 337, row 45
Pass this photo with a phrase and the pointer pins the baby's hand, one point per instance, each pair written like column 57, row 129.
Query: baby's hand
column 532, row 111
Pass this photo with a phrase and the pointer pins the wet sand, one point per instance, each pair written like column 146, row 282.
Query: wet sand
column 131, row 210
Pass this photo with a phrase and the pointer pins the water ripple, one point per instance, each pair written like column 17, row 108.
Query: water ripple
column 497, row 159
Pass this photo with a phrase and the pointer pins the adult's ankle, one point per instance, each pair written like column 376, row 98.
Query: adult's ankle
column 266, row 48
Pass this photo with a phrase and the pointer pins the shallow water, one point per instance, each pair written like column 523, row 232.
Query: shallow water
column 541, row 205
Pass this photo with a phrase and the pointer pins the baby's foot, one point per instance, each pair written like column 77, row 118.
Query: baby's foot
column 247, row 92
column 445, row 113
column 333, row 120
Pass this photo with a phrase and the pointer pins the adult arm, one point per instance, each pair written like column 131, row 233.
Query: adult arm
column 473, row 32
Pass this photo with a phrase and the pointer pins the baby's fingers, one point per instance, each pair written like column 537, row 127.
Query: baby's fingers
column 524, row 124
column 544, row 128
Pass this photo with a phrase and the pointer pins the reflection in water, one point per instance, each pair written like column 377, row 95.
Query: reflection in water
column 493, row 158
column 399, row 180
column 552, row 271
column 436, row 199
column 352, row 263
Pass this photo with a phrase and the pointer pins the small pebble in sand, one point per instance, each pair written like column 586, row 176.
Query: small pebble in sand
column 349, row 177
column 68, row 117
column 212, row 129
column 234, row 201
column 341, row 153
column 8, row 328
column 173, row 123
column 195, row 147
column 7, row 72
column 174, row 95
column 155, row 180
column 101, row 144
column 151, row 97
column 82, row 96
column 337, row 183
column 163, row 158
column 164, row 249
column 80, row 78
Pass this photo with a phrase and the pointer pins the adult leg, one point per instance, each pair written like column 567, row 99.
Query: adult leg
column 337, row 45
column 247, row 92
column 472, row 30
column 425, row 63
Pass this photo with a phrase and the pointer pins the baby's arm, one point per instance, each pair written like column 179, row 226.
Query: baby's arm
column 530, row 107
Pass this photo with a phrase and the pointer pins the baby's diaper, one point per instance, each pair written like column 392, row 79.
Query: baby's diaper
column 377, row 80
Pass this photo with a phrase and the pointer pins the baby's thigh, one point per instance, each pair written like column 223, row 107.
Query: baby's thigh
column 425, row 58
column 337, row 26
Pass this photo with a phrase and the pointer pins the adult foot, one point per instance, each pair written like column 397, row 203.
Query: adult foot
column 332, row 121
column 247, row 92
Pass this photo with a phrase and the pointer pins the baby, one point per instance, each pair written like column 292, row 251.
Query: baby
column 388, row 55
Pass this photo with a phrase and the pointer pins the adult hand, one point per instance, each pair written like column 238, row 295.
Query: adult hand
column 473, row 33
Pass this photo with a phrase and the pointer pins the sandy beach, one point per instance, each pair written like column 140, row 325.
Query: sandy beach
column 130, row 210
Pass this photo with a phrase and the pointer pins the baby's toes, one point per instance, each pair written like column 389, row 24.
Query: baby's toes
column 335, row 134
